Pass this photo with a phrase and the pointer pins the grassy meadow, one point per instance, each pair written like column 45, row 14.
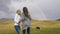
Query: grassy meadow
column 46, row 27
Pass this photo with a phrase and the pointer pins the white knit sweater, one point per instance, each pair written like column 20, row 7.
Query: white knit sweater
column 17, row 19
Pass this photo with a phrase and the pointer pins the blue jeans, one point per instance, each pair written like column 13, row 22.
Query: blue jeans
column 17, row 28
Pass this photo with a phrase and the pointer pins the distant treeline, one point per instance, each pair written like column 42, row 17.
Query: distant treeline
column 58, row 19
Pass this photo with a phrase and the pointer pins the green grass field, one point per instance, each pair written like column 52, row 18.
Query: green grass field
column 46, row 27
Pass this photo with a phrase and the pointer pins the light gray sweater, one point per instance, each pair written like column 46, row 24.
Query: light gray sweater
column 26, row 21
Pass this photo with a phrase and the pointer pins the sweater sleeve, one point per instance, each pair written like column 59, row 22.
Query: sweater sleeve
column 17, row 19
column 29, row 17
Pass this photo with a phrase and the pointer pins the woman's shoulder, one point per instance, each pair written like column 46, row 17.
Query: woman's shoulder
column 22, row 14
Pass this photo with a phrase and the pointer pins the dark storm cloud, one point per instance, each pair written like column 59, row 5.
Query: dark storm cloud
column 4, row 5
column 4, row 8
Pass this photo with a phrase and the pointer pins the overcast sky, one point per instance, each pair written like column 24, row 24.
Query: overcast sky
column 39, row 9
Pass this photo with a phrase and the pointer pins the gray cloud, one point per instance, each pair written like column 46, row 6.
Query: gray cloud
column 41, row 9
column 52, row 9
column 4, row 9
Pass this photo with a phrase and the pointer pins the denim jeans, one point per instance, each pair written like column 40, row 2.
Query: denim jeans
column 17, row 28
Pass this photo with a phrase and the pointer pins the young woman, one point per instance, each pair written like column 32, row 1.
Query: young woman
column 26, row 21
column 17, row 20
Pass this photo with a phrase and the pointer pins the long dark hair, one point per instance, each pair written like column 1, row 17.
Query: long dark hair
column 25, row 11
